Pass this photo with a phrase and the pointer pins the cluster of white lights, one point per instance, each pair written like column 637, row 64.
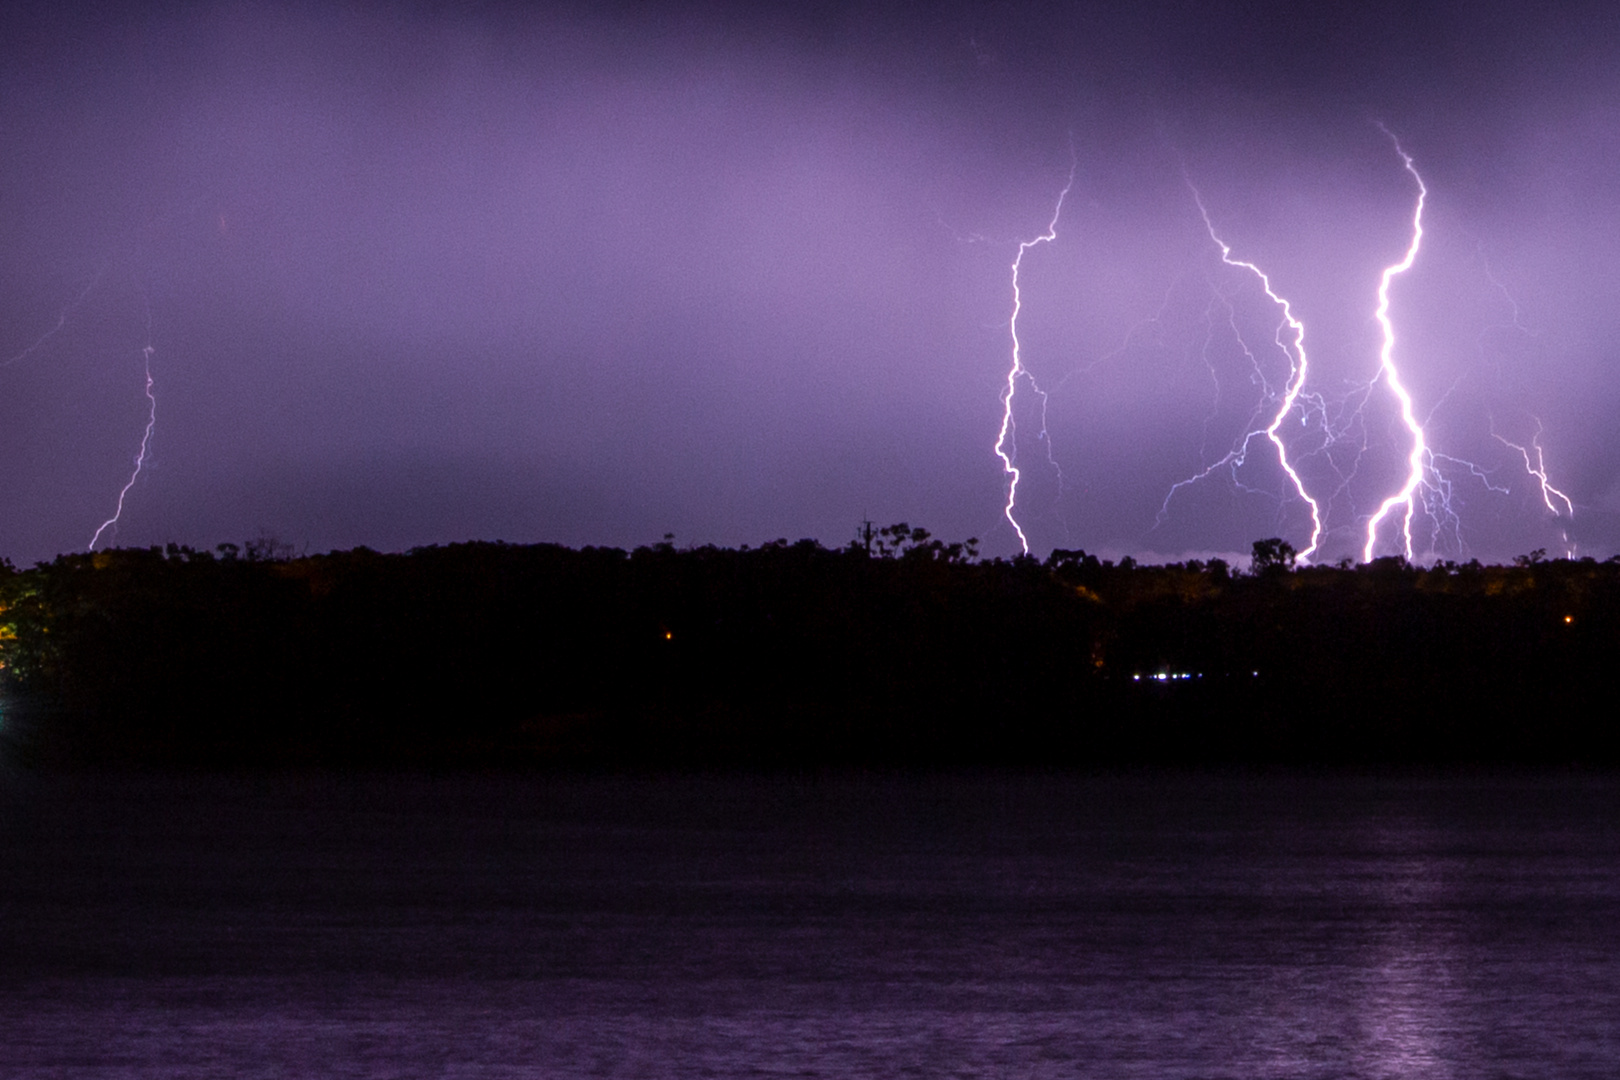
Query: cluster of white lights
column 1176, row 676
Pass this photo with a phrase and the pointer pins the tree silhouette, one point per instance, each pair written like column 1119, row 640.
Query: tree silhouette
column 1273, row 556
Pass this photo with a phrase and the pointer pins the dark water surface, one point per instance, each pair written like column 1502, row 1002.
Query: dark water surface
column 948, row 926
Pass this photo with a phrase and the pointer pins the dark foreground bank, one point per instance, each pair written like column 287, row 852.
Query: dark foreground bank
column 906, row 652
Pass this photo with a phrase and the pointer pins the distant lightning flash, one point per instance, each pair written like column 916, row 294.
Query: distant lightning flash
column 1538, row 469
column 151, row 399
column 61, row 321
column 140, row 459
column 1299, row 366
column 1420, row 461
column 1007, row 441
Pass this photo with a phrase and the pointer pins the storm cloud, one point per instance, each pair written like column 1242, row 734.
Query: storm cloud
column 414, row 275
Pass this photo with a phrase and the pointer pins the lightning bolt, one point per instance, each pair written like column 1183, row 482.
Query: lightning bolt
column 1424, row 469
column 1299, row 366
column 140, row 459
column 1339, row 434
column 1420, row 461
column 1538, row 469
column 151, row 413
column 1007, row 440
column 1550, row 495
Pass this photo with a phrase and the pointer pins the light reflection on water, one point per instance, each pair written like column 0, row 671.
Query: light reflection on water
column 1266, row 927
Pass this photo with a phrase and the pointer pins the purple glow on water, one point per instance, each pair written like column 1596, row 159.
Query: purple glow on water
column 1154, row 927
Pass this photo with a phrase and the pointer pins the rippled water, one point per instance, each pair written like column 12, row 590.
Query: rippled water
column 947, row 926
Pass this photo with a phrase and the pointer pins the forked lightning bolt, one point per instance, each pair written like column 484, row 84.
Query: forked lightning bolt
column 1420, row 462
column 1007, row 441
column 140, row 459
column 1338, row 425
column 1423, row 471
column 1298, row 365
column 1538, row 469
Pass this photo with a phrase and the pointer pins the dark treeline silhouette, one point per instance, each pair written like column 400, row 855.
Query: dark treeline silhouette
column 897, row 650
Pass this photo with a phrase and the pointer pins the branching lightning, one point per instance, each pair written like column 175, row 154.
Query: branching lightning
column 1551, row 496
column 1538, row 469
column 1298, row 365
column 1007, row 441
column 1338, row 431
column 1420, row 461
column 1424, row 476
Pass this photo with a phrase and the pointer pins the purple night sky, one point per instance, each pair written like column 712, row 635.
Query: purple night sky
column 418, row 275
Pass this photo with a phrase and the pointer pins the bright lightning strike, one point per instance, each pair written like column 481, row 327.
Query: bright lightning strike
column 1007, row 441
column 1420, row 461
column 140, row 459
column 1298, row 367
column 1337, row 427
